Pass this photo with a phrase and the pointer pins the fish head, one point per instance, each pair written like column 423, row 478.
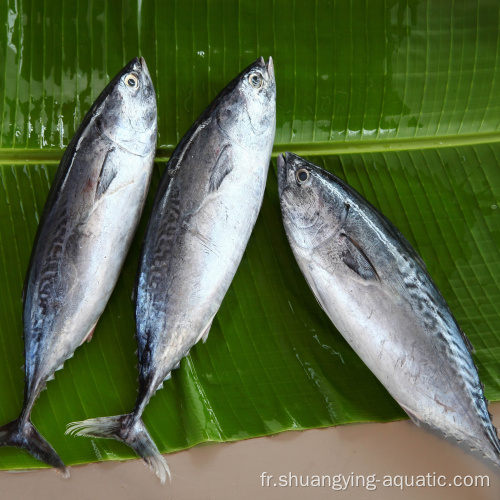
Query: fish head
column 246, row 108
column 128, row 115
column 312, row 211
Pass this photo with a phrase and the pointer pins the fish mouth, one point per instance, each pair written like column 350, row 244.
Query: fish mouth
column 282, row 173
column 144, row 66
column 270, row 68
column 138, row 64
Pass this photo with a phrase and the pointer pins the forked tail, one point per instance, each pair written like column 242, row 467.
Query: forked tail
column 22, row 434
column 128, row 430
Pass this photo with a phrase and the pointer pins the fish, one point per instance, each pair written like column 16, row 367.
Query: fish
column 87, row 225
column 203, row 214
column 378, row 293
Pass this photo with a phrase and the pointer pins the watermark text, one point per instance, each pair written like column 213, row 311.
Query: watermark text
column 342, row 482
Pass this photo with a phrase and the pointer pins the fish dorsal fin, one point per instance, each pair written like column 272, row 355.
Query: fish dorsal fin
column 56, row 186
column 355, row 259
column 25, row 286
column 223, row 166
column 398, row 236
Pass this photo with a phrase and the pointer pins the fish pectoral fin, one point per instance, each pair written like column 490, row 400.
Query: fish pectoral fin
column 223, row 167
column 356, row 260
column 106, row 176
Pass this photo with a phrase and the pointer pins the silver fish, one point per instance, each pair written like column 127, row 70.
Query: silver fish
column 87, row 226
column 376, row 290
column 204, row 211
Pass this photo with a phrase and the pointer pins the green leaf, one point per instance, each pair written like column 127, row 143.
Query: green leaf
column 401, row 99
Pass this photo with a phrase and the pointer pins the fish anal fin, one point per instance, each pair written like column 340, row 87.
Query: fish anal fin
column 356, row 259
column 204, row 333
column 88, row 338
column 466, row 340
column 412, row 415
column 89, row 335
column 315, row 291
column 223, row 166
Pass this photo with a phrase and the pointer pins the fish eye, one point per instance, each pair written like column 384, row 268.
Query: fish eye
column 132, row 81
column 256, row 80
column 302, row 176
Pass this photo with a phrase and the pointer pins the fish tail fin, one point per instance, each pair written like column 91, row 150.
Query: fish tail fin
column 22, row 433
column 492, row 449
column 129, row 430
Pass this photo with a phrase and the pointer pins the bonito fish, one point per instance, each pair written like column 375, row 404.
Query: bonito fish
column 204, row 211
column 376, row 290
column 87, row 226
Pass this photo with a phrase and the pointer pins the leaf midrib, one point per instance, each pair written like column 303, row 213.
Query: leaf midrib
column 47, row 156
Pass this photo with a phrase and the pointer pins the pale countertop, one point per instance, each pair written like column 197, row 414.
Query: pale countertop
column 234, row 470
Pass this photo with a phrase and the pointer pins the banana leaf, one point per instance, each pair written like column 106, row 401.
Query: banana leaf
column 399, row 98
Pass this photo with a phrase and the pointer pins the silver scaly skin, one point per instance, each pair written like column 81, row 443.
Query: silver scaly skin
column 376, row 290
column 87, row 226
column 204, row 211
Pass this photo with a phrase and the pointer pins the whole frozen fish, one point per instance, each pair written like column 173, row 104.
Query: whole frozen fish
column 204, row 211
column 87, row 225
column 376, row 290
